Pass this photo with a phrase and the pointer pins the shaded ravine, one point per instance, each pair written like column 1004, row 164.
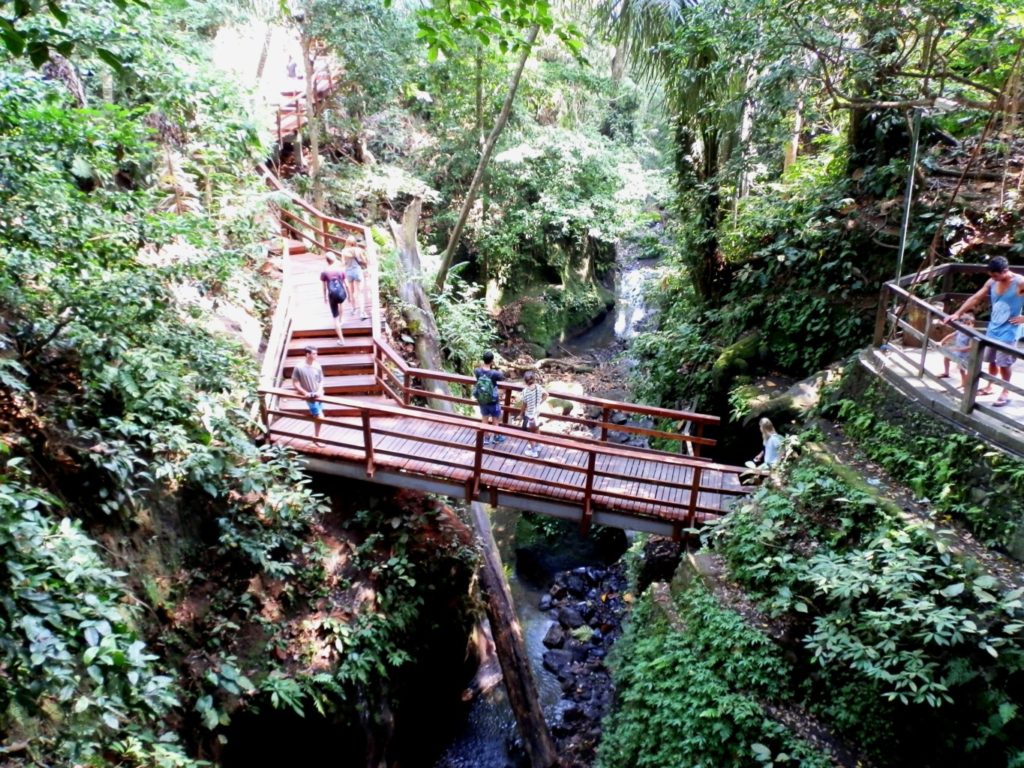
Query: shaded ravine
column 486, row 737
column 488, row 733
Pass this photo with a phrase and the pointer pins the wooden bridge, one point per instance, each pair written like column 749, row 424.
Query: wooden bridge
column 376, row 426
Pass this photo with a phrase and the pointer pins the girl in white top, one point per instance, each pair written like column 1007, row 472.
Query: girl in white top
column 531, row 396
column 772, row 443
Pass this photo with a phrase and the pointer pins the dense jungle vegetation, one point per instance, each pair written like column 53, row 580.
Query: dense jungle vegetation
column 166, row 580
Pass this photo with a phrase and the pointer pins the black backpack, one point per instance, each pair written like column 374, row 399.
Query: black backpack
column 336, row 289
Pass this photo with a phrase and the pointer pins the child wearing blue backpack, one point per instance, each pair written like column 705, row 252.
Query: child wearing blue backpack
column 485, row 392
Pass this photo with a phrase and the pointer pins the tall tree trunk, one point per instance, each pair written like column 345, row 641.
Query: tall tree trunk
column 264, row 51
column 508, row 635
column 485, row 157
column 415, row 303
column 313, row 123
column 747, row 151
column 710, row 272
column 619, row 61
column 793, row 145
column 508, row 639
column 481, row 136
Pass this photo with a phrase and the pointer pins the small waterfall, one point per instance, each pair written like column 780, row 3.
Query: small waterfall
column 632, row 280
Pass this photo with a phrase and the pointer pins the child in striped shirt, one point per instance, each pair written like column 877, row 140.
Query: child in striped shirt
column 531, row 396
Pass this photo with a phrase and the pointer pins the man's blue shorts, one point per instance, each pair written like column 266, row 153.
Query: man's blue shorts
column 316, row 408
column 491, row 409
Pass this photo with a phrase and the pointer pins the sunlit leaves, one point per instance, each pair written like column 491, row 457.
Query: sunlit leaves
column 26, row 29
column 502, row 23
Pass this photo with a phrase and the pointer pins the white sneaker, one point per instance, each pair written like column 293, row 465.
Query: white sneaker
column 531, row 453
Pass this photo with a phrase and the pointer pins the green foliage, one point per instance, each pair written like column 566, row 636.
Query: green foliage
column 551, row 209
column 690, row 694
column 28, row 30
column 485, row 21
column 463, row 322
column 805, row 279
column 375, row 49
column 70, row 647
column 130, row 399
column 941, row 465
column 895, row 623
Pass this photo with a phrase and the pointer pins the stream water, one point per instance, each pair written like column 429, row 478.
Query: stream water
column 489, row 728
column 484, row 738
column 626, row 317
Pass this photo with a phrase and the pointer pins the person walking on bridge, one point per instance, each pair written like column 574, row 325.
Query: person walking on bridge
column 333, row 279
column 1005, row 291
column 354, row 261
column 485, row 392
column 308, row 380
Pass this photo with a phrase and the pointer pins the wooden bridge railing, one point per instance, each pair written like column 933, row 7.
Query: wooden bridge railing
column 919, row 322
column 324, row 81
column 464, row 457
column 399, row 380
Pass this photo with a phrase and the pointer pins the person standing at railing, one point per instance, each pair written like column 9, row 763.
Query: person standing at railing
column 485, row 392
column 335, row 292
column 959, row 344
column 308, row 380
column 1005, row 291
column 354, row 262
column 531, row 396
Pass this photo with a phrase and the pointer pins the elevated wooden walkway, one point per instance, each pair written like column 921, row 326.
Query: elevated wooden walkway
column 907, row 353
column 376, row 427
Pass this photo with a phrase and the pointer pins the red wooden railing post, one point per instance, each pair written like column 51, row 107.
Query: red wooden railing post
column 473, row 485
column 368, row 444
column 691, row 517
column 406, row 386
column 508, row 404
column 605, row 415
column 588, row 494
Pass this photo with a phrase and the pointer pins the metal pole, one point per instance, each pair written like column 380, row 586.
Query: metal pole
column 915, row 135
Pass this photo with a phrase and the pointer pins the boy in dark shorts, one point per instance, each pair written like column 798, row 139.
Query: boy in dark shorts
column 485, row 391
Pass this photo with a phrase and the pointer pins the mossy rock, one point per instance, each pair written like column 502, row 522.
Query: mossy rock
column 555, row 403
column 562, row 311
column 735, row 360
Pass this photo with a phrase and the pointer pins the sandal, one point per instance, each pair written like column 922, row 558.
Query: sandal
column 985, row 391
column 1001, row 402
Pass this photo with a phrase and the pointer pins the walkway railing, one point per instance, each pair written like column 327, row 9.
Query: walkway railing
column 460, row 453
column 322, row 234
column 400, row 381
column 906, row 316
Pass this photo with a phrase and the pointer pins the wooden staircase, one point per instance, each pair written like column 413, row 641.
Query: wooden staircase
column 348, row 366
